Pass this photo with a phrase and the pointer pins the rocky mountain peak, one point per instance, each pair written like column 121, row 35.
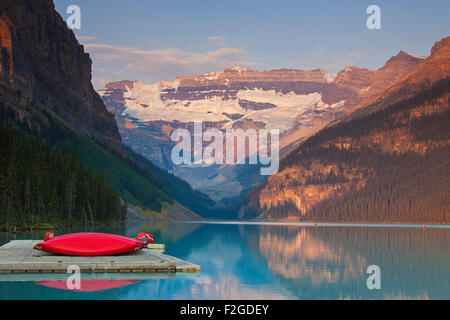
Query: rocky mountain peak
column 416, row 75
column 438, row 45
column 403, row 59
column 354, row 78
column 119, row 85
column 402, row 55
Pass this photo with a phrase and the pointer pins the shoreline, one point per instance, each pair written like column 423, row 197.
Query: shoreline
column 52, row 228
column 324, row 224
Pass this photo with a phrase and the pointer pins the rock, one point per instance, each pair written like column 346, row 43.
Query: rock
column 41, row 59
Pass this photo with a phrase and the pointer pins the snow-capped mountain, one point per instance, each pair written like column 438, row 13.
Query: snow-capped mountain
column 298, row 103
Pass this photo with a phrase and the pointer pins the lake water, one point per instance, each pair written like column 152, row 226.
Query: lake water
column 277, row 261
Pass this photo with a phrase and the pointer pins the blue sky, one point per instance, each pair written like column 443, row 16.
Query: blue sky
column 158, row 40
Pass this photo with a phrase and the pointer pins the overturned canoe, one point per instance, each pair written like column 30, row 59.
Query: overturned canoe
column 91, row 244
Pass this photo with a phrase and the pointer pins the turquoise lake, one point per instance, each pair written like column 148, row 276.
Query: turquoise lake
column 276, row 261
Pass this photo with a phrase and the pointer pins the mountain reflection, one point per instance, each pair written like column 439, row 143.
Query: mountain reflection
column 292, row 262
column 295, row 253
column 331, row 262
column 241, row 261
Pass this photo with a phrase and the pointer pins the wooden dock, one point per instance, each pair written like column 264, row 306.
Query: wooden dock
column 18, row 256
column 46, row 276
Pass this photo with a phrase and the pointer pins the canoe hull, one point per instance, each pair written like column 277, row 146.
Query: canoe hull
column 90, row 244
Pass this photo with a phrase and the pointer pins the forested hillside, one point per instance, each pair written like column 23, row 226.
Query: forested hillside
column 44, row 186
column 179, row 189
column 390, row 166
column 131, row 181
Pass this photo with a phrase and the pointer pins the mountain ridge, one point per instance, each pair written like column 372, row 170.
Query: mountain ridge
column 357, row 163
column 299, row 103
column 431, row 69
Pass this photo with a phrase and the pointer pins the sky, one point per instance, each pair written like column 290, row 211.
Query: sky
column 151, row 40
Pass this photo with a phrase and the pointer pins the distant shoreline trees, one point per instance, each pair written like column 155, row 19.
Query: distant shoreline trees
column 45, row 187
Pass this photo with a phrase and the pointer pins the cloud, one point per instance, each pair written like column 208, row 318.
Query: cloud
column 337, row 64
column 217, row 40
column 85, row 39
column 122, row 62
column 320, row 59
column 100, row 82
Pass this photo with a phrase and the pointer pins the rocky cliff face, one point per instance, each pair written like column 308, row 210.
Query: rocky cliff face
column 41, row 61
column 370, row 166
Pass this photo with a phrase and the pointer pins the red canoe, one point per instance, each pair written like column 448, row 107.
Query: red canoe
column 91, row 244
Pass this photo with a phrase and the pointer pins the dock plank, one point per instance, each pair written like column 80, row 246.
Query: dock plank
column 18, row 256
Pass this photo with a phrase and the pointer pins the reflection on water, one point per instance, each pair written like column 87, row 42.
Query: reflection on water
column 330, row 262
column 299, row 254
column 277, row 262
column 90, row 285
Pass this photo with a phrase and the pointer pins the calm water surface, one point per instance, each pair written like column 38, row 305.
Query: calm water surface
column 264, row 261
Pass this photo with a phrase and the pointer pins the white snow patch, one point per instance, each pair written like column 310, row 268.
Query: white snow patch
column 174, row 84
column 143, row 102
column 277, row 98
column 329, row 77
column 415, row 56
column 339, row 104
column 211, row 76
column 238, row 69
